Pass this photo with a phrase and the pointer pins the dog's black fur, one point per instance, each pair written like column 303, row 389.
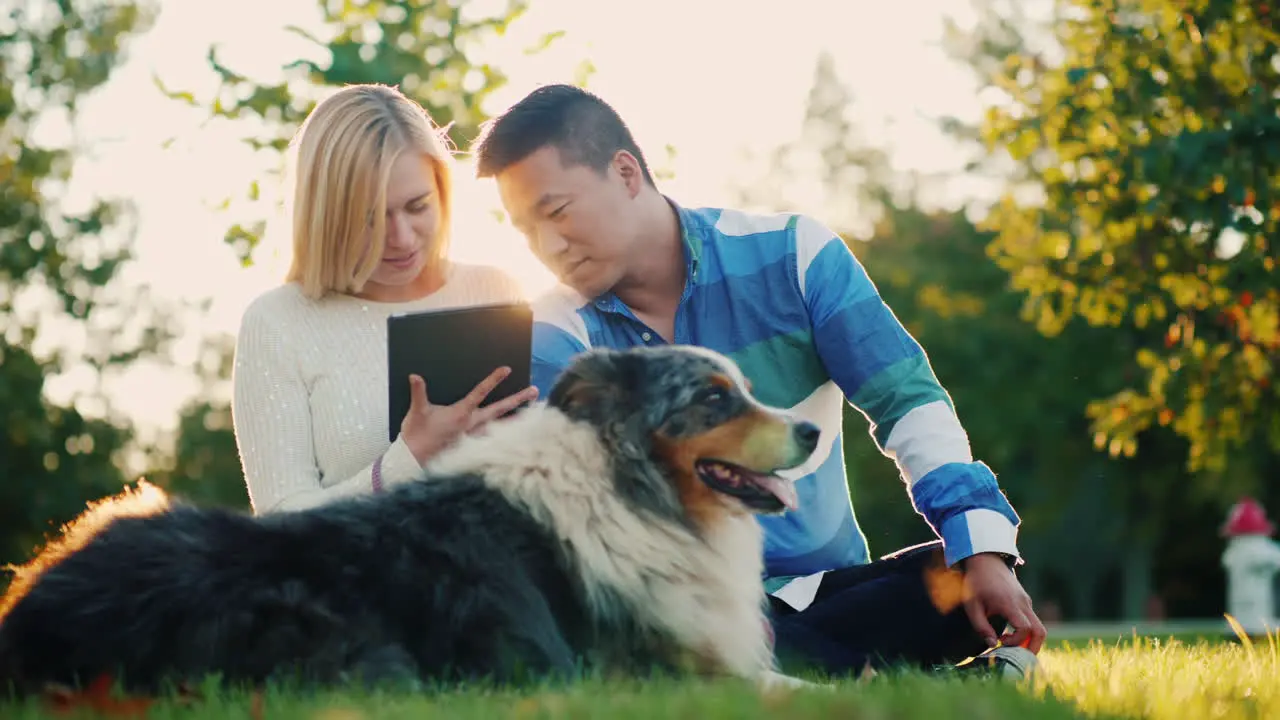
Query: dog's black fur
column 443, row 580
column 437, row 580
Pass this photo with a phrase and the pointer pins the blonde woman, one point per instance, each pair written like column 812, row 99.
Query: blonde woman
column 371, row 213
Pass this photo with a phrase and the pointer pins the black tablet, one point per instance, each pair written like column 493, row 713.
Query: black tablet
column 453, row 350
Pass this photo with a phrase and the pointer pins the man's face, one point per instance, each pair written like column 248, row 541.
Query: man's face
column 576, row 220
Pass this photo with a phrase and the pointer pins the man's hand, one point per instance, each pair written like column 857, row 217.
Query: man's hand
column 993, row 590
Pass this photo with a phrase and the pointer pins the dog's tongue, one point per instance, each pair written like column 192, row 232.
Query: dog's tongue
column 784, row 490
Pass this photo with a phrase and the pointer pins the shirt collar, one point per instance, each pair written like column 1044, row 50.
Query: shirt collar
column 691, row 236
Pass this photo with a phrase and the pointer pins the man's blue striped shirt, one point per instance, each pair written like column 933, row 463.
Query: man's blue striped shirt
column 786, row 299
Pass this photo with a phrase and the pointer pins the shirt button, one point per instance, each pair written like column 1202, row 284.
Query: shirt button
column 646, row 337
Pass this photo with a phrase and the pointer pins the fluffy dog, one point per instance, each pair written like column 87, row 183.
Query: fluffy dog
column 611, row 527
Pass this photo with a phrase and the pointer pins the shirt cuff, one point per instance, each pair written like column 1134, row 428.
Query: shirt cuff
column 399, row 465
column 978, row 531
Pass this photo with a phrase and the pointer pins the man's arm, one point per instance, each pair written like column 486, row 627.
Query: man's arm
column 886, row 375
column 558, row 336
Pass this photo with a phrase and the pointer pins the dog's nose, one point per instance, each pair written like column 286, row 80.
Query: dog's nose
column 807, row 434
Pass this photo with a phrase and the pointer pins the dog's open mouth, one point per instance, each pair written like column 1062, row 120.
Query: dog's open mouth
column 760, row 491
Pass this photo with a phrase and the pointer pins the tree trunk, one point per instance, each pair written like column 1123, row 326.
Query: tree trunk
column 1137, row 581
column 1084, row 594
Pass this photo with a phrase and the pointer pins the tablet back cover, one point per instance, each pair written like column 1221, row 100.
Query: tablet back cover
column 453, row 350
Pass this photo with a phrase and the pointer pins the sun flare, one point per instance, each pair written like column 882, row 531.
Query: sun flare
column 720, row 97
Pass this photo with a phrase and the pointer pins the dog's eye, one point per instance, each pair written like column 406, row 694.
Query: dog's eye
column 713, row 396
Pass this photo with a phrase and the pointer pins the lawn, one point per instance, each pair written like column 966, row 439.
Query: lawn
column 1141, row 678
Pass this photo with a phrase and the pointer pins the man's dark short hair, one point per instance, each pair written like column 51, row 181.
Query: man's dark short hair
column 580, row 125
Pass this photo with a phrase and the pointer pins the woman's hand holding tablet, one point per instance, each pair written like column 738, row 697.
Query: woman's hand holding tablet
column 445, row 355
column 428, row 429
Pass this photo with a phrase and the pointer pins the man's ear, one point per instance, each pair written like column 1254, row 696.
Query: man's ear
column 628, row 168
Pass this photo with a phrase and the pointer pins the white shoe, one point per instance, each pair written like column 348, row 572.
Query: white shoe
column 1008, row 663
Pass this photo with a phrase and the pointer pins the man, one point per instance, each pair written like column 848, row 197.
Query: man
column 784, row 297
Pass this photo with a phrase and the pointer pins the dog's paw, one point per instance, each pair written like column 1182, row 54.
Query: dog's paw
column 771, row 680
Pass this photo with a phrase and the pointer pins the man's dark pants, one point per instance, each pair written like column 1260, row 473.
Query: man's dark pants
column 880, row 615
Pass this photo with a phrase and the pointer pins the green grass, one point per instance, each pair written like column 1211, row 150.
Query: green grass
column 1140, row 678
column 1166, row 678
column 899, row 697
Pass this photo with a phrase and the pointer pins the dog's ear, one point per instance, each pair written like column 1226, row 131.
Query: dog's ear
column 603, row 387
column 592, row 388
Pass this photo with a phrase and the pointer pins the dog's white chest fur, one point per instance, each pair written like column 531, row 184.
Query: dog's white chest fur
column 703, row 591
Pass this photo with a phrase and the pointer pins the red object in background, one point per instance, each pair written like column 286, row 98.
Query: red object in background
column 1247, row 518
column 1154, row 609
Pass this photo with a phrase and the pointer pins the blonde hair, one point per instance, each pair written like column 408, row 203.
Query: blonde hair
column 343, row 157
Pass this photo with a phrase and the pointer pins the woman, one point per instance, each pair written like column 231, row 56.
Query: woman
column 371, row 212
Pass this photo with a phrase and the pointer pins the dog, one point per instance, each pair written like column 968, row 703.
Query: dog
column 610, row 528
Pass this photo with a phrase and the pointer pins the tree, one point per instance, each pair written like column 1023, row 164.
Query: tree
column 54, row 458
column 57, row 264
column 1148, row 131
column 203, row 465
column 830, row 171
column 422, row 46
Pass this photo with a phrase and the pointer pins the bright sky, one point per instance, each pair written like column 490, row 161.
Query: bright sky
column 710, row 77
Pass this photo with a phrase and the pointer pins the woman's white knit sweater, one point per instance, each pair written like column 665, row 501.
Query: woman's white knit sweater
column 310, row 389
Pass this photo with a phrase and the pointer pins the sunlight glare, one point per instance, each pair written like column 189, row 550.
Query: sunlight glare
column 722, row 79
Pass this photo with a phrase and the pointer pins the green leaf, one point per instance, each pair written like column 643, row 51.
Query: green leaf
column 1147, row 137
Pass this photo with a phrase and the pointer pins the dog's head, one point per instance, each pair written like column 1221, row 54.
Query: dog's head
column 685, row 432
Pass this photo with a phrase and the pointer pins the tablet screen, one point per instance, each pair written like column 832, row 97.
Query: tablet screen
column 455, row 349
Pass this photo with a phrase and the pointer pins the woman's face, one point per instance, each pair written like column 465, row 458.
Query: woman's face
column 409, row 266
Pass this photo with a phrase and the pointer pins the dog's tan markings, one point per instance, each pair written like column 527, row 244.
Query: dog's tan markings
column 703, row 505
column 756, row 441
column 750, row 441
column 722, row 380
